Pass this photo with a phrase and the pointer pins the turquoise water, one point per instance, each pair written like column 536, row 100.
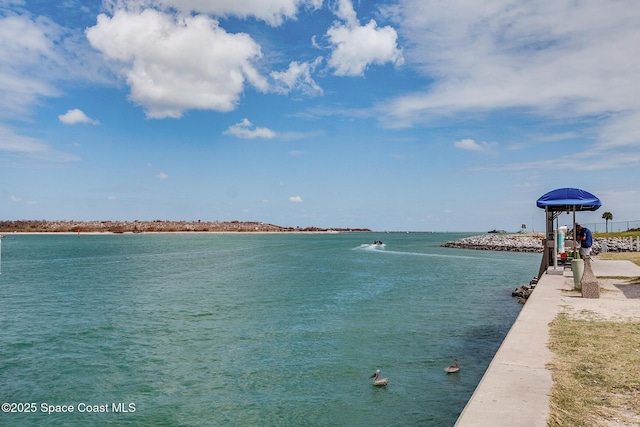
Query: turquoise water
column 244, row 330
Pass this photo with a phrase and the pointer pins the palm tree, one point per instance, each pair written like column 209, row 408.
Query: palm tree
column 607, row 216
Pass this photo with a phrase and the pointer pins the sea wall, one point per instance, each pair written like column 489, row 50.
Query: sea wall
column 524, row 243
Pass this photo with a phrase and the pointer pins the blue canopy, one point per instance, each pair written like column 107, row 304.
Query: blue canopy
column 569, row 199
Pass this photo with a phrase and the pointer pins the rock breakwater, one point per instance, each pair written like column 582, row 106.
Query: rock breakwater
column 503, row 242
column 524, row 243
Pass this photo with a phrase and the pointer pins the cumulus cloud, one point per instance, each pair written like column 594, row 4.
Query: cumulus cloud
column 345, row 11
column 246, row 130
column 471, row 145
column 297, row 77
column 355, row 47
column 273, row 12
column 173, row 64
column 162, row 175
column 295, row 199
column 71, row 117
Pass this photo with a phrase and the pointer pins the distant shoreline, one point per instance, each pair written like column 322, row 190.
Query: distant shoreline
column 103, row 233
column 158, row 226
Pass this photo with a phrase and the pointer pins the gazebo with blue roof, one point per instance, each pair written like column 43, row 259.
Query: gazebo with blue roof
column 554, row 203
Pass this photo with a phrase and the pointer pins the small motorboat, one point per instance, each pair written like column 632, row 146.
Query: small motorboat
column 377, row 242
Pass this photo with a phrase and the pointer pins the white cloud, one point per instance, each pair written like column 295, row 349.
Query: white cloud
column 273, row 12
column 344, row 10
column 15, row 199
column 295, row 199
column 472, row 145
column 355, row 47
column 558, row 58
column 10, row 141
column 621, row 130
column 74, row 116
column 246, row 130
column 173, row 64
column 36, row 54
column 297, row 77
column 555, row 59
column 13, row 142
column 24, row 61
column 162, row 175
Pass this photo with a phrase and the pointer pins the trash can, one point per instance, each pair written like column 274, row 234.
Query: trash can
column 577, row 267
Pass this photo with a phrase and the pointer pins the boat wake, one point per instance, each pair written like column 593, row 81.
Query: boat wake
column 371, row 247
column 381, row 247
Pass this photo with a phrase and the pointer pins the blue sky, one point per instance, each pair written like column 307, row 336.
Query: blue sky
column 392, row 115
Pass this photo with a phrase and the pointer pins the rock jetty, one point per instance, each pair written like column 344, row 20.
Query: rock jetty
column 499, row 242
column 529, row 243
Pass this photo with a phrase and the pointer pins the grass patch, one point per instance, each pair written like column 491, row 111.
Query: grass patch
column 627, row 234
column 595, row 371
column 634, row 257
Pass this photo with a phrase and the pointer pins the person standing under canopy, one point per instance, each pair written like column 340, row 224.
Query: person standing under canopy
column 585, row 238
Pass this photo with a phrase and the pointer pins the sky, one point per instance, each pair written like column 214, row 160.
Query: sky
column 397, row 115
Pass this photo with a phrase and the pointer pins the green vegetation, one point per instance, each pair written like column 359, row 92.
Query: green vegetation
column 630, row 256
column 607, row 216
column 626, row 234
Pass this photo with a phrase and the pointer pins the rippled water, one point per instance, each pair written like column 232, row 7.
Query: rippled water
column 242, row 330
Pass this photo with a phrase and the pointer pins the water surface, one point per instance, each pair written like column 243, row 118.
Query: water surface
column 250, row 329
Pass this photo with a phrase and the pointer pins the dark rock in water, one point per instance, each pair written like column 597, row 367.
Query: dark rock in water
column 522, row 293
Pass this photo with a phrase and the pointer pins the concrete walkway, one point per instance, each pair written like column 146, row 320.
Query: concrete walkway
column 515, row 389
